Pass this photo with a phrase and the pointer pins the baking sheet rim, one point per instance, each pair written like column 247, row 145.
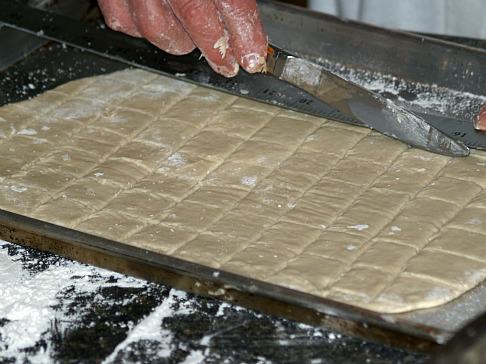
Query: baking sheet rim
column 390, row 329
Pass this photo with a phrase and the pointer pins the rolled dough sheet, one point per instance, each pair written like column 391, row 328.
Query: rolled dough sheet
column 298, row 201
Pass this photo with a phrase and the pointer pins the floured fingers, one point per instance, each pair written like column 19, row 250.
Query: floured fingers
column 229, row 33
column 201, row 20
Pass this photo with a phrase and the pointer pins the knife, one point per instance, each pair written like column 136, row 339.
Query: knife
column 372, row 109
column 308, row 87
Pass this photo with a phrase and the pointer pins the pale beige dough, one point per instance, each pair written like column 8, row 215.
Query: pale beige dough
column 324, row 208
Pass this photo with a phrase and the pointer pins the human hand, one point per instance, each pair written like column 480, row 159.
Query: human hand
column 229, row 33
column 480, row 122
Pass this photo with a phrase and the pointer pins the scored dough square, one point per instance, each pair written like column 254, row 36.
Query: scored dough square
column 99, row 140
column 237, row 175
column 333, row 140
column 91, row 191
column 371, row 149
column 396, row 256
column 279, row 200
column 479, row 200
column 9, row 166
column 152, row 103
column 63, row 211
column 114, row 225
column 355, row 171
column 259, row 153
column 412, row 292
column 283, row 178
column 121, row 121
column 217, row 196
column 73, row 112
column 21, row 199
column 193, row 215
column 172, row 136
column 22, row 148
column 105, row 90
column 285, row 131
column 289, row 236
column 471, row 169
column 470, row 219
column 186, row 166
column 351, row 281
column 450, row 271
column 451, row 190
column 147, row 155
column 211, row 249
column 161, row 238
column 211, row 145
column 44, row 179
column 412, row 171
column 264, row 261
column 238, row 122
column 301, row 271
column 141, row 204
column 345, row 250
column 70, row 160
column 239, row 224
column 424, row 209
column 262, row 208
column 163, row 185
column 460, row 242
column 306, row 162
column 122, row 172
column 199, row 107
column 327, row 209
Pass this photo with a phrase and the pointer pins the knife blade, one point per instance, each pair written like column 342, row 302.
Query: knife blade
column 359, row 107
column 372, row 109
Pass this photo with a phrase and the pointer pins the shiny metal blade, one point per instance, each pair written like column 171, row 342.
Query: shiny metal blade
column 358, row 103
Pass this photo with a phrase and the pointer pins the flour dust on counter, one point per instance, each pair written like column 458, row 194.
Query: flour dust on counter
column 56, row 310
column 453, row 103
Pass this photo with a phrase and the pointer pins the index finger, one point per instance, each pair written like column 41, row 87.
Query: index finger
column 247, row 36
column 201, row 20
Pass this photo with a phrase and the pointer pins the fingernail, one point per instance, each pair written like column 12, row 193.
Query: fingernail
column 253, row 62
column 480, row 121
column 231, row 72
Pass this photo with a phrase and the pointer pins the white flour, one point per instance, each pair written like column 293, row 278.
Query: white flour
column 149, row 327
column 462, row 105
column 27, row 300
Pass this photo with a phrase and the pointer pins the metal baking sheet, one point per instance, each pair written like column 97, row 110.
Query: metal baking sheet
column 54, row 65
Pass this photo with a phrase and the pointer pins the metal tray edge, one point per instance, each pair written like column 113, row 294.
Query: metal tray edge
column 202, row 280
